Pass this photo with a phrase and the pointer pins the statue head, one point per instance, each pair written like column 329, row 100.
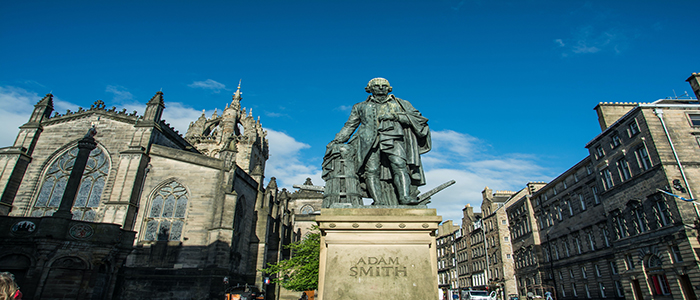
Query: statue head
column 378, row 86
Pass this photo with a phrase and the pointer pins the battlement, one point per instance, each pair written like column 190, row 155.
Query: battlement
column 97, row 107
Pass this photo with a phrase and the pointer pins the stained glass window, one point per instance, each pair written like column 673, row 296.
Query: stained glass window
column 88, row 198
column 166, row 216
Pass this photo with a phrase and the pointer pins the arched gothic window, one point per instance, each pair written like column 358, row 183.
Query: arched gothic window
column 166, row 216
column 54, row 185
column 307, row 209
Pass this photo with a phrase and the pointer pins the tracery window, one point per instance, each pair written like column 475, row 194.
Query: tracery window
column 91, row 186
column 307, row 209
column 166, row 215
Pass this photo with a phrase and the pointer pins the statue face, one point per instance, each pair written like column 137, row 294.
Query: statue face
column 381, row 89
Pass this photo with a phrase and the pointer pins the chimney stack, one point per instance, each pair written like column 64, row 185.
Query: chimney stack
column 694, row 81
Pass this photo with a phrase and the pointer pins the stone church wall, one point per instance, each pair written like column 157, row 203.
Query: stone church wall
column 57, row 137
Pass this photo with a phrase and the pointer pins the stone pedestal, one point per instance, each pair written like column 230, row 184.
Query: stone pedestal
column 378, row 253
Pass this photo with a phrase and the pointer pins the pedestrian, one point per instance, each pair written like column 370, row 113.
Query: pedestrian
column 548, row 295
column 8, row 287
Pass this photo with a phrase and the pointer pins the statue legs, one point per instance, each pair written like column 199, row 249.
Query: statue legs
column 374, row 186
column 402, row 180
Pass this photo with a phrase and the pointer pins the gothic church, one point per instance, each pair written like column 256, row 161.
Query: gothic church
column 194, row 203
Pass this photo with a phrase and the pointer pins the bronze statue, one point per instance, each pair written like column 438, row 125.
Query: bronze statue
column 383, row 155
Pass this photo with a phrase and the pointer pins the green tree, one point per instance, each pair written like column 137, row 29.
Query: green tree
column 300, row 272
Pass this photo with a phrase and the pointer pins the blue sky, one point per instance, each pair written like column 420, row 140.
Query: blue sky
column 509, row 86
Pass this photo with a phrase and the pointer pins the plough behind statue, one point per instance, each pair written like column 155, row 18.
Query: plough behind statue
column 424, row 198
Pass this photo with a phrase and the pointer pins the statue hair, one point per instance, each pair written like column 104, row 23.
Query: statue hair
column 371, row 82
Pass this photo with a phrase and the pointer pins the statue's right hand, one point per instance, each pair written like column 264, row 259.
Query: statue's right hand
column 387, row 117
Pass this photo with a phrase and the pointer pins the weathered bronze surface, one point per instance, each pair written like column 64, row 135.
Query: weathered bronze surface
column 377, row 152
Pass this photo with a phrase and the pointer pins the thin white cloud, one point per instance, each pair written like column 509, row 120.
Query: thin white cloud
column 458, row 6
column 120, row 93
column 179, row 115
column 463, row 158
column 275, row 115
column 589, row 40
column 176, row 114
column 286, row 163
column 343, row 108
column 16, row 106
column 209, row 84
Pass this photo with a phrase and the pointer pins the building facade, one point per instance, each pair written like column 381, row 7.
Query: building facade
column 446, row 247
column 525, row 242
column 577, row 254
column 499, row 250
column 485, row 252
column 620, row 223
column 465, row 256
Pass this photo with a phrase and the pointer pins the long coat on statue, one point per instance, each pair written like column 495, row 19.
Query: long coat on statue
column 407, row 137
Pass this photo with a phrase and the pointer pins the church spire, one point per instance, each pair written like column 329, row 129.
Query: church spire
column 237, row 95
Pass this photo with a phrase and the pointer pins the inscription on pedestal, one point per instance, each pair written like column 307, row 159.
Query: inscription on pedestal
column 378, row 267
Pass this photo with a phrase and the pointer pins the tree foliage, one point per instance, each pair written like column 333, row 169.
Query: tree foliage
column 300, row 272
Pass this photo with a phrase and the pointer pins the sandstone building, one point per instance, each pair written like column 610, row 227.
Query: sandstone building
column 195, row 202
column 618, row 224
column 485, row 254
column 465, row 251
column 446, row 245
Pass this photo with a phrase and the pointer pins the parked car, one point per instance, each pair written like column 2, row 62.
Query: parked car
column 244, row 292
column 476, row 295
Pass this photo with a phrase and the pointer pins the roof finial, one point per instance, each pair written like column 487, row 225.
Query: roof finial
column 237, row 94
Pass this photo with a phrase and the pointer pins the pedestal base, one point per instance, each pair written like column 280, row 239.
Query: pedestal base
column 378, row 253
